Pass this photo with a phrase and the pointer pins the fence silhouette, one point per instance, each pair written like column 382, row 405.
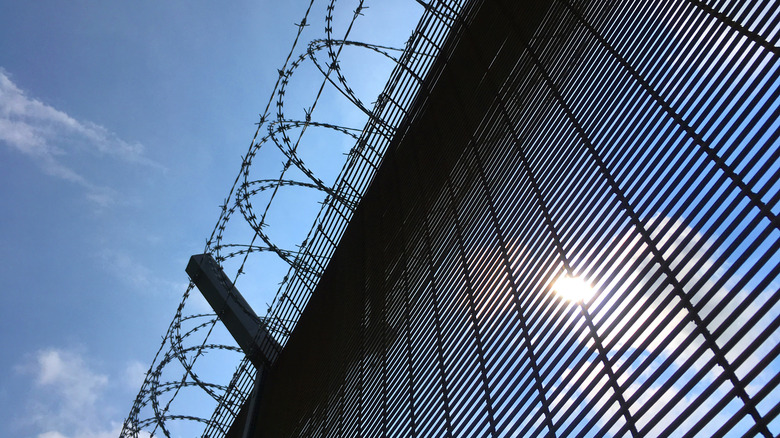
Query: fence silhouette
column 574, row 233
column 560, row 220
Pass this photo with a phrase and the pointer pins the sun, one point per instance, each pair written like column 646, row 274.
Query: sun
column 573, row 288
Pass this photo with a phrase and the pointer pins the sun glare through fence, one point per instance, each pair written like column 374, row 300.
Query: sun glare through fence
column 573, row 288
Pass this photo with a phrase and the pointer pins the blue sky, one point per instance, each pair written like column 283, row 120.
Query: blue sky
column 122, row 127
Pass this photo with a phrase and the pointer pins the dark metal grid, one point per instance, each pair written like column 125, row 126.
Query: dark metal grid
column 634, row 145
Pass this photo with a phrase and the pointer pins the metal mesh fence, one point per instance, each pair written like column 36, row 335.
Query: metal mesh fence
column 575, row 234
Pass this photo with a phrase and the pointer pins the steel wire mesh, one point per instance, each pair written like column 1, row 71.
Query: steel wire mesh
column 576, row 234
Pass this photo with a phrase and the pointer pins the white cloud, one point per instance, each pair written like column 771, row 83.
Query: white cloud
column 48, row 136
column 683, row 259
column 51, row 434
column 111, row 432
column 66, row 374
column 69, row 398
column 645, row 395
column 135, row 373
column 137, row 275
column 128, row 269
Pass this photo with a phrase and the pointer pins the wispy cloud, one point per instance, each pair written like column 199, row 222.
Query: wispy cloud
column 137, row 275
column 48, row 135
column 135, row 373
